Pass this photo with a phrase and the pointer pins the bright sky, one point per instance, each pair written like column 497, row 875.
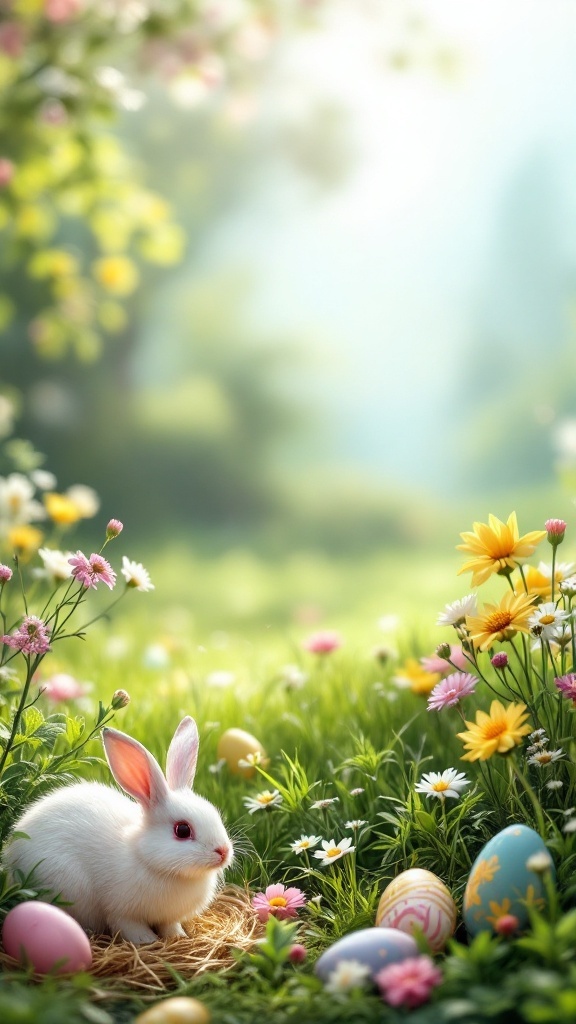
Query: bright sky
column 387, row 272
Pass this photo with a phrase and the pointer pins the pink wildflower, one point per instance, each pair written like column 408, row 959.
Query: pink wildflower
column 62, row 686
column 567, row 686
column 323, row 642
column 12, row 38
column 93, row 570
column 408, row 983
column 278, row 901
column 297, row 953
column 451, row 690
column 114, row 529
column 555, row 528
column 31, row 637
column 507, row 925
column 437, row 664
column 5, row 573
column 500, row 660
column 6, row 171
column 61, row 10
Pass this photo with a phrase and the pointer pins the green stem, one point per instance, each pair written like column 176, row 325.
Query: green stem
column 32, row 666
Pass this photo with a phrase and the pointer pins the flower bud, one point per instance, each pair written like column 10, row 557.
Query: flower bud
column 5, row 574
column 120, row 699
column 555, row 528
column 500, row 660
column 297, row 953
column 383, row 654
column 114, row 529
column 444, row 651
column 507, row 925
column 540, row 862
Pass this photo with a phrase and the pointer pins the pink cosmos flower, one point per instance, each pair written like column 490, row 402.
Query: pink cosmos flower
column 567, row 686
column 451, row 690
column 5, row 573
column 323, row 642
column 31, row 637
column 278, row 901
column 409, row 983
column 62, row 686
column 93, row 570
column 436, row 664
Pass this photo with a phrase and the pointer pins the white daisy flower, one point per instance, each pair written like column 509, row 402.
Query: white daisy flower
column 251, row 760
column 355, row 823
column 85, row 498
column 293, row 677
column 454, row 614
column 346, row 975
column 136, row 575
column 548, row 618
column 43, row 480
column 332, row 851
column 543, row 758
column 570, row 825
column 305, row 843
column 538, row 734
column 17, row 504
column 568, row 586
column 539, row 862
column 319, row 805
column 562, row 570
column 215, row 768
column 262, row 801
column 554, row 784
column 442, row 784
column 56, row 563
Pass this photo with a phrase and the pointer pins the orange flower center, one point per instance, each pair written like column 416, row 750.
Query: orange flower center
column 494, row 729
column 334, row 852
column 278, row 901
column 547, row 620
column 440, row 786
column 498, row 621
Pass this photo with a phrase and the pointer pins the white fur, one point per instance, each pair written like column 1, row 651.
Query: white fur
column 118, row 861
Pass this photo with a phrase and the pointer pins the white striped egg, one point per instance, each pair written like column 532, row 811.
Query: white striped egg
column 418, row 899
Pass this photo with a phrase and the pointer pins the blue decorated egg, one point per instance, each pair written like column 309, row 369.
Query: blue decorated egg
column 501, row 883
column 375, row 948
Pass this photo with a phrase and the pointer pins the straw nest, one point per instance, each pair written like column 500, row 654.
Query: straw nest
column 230, row 923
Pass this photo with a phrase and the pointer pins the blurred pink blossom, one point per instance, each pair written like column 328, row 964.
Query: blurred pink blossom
column 61, row 10
column 62, row 686
column 323, row 642
column 436, row 664
column 12, row 39
column 409, row 983
column 6, row 171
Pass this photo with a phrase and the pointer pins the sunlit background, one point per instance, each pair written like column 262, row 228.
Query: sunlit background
column 369, row 341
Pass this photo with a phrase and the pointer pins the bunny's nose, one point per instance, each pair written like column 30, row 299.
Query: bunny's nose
column 223, row 852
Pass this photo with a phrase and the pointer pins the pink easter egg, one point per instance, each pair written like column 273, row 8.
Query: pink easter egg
column 44, row 936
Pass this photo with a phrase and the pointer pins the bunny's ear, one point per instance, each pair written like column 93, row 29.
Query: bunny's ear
column 183, row 755
column 134, row 768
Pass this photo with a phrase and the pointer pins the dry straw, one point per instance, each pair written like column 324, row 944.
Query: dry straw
column 230, row 923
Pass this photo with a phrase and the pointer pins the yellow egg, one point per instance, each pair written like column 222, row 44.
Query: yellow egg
column 236, row 745
column 178, row 1010
column 418, row 900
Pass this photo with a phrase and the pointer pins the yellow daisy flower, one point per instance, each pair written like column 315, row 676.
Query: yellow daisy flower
column 498, row 622
column 413, row 676
column 496, row 547
column 495, row 733
column 61, row 509
column 25, row 540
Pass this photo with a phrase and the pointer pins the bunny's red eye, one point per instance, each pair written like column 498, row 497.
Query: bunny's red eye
column 182, row 830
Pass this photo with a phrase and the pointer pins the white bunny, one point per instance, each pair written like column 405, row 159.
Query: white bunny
column 134, row 868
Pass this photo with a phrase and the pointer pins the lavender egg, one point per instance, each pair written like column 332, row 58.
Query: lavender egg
column 373, row 947
column 43, row 936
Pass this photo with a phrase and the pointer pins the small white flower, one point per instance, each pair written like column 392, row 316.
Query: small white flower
column 332, row 851
column 454, row 614
column 251, row 760
column 570, row 825
column 568, row 586
column 262, row 801
column 17, row 504
column 543, row 758
column 56, row 563
column 293, row 677
column 136, row 575
column 215, row 768
column 305, row 843
column 388, row 623
column 554, row 784
column 442, row 784
column 85, row 498
column 355, row 823
column 319, row 805
column 538, row 734
column 220, row 679
column 562, row 570
column 539, row 862
column 357, row 791
column 43, row 480
column 346, row 975
column 548, row 618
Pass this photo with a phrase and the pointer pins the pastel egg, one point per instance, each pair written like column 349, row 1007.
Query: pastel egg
column 235, row 745
column 44, row 936
column 500, row 881
column 418, row 900
column 373, row 947
column 178, row 1010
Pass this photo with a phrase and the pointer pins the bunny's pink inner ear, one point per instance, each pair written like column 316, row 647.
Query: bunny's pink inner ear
column 133, row 767
column 183, row 755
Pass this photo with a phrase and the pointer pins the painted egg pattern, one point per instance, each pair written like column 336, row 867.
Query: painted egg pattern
column 418, row 899
column 46, row 937
column 500, row 883
column 374, row 947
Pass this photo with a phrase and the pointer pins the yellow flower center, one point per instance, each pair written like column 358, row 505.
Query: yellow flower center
column 278, row 901
column 544, row 757
column 493, row 729
column 547, row 620
column 440, row 786
column 334, row 852
column 265, row 798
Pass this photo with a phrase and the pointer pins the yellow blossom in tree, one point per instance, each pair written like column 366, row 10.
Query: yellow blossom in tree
column 498, row 622
column 413, row 676
column 495, row 733
column 117, row 275
column 496, row 547
column 61, row 509
column 25, row 539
